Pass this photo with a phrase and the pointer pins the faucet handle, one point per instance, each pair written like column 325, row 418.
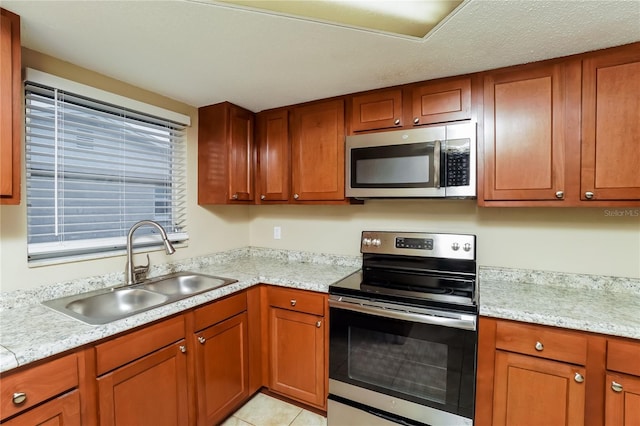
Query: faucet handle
column 140, row 272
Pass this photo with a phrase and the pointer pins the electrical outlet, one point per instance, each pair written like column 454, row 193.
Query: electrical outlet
column 277, row 233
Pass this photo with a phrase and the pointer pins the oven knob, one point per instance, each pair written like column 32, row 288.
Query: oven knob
column 376, row 242
column 455, row 246
column 466, row 247
column 366, row 242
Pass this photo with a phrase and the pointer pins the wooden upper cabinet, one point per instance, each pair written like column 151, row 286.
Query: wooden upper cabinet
column 441, row 101
column 10, row 107
column 377, row 110
column 524, row 125
column 611, row 125
column 317, row 148
column 273, row 156
column 225, row 154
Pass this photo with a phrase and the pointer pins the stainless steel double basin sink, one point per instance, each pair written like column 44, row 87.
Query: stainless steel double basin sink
column 104, row 306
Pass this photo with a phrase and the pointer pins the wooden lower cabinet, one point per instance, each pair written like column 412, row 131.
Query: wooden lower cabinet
column 622, row 400
column 62, row 411
column 222, row 361
column 298, row 345
column 533, row 391
column 149, row 391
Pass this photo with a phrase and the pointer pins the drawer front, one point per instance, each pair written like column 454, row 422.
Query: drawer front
column 124, row 349
column 297, row 300
column 623, row 356
column 27, row 388
column 542, row 342
column 220, row 310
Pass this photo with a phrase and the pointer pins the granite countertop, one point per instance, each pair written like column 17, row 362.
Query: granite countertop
column 32, row 331
column 598, row 304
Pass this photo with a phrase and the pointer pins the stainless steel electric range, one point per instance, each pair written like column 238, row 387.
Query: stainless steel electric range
column 403, row 332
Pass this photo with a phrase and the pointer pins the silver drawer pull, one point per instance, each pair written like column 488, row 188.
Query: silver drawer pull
column 293, row 302
column 19, row 398
column 579, row 378
column 539, row 346
column 617, row 387
column 318, row 324
column 183, row 348
column 201, row 339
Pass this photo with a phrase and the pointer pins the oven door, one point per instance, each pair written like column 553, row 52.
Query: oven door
column 403, row 362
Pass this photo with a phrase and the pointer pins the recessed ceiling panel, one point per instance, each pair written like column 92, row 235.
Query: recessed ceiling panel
column 410, row 18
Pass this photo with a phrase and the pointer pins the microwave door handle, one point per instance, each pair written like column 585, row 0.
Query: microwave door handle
column 436, row 164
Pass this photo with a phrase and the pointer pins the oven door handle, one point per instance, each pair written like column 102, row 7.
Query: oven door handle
column 464, row 321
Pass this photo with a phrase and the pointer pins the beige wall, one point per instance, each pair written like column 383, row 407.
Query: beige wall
column 210, row 229
column 592, row 241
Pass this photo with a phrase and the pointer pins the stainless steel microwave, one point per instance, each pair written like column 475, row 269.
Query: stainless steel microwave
column 438, row 161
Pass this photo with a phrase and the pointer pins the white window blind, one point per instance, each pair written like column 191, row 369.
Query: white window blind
column 94, row 169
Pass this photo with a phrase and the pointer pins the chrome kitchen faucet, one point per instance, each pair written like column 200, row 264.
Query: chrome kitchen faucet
column 135, row 274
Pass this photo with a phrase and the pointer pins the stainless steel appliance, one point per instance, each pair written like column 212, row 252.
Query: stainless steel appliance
column 437, row 161
column 403, row 336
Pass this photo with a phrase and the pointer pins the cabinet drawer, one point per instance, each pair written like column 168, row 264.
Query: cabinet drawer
column 297, row 300
column 220, row 310
column 542, row 342
column 122, row 350
column 38, row 384
column 623, row 357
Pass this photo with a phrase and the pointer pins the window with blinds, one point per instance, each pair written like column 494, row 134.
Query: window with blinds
column 94, row 169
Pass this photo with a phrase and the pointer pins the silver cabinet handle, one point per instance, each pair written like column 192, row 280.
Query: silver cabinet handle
column 416, row 120
column 539, row 346
column 201, row 339
column 293, row 302
column 19, row 398
column 617, row 387
column 578, row 378
column 559, row 195
column 235, row 196
column 318, row 324
column 296, row 196
column 183, row 348
column 588, row 195
column 263, row 197
column 397, row 121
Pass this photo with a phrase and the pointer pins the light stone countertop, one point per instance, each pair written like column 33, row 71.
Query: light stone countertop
column 31, row 331
column 598, row 304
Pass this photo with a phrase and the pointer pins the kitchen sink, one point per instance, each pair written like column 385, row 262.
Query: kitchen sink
column 186, row 284
column 116, row 303
column 104, row 306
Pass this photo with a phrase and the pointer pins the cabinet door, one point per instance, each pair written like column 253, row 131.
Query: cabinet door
column 225, row 154
column 622, row 400
column 297, row 355
column 379, row 110
column 611, row 126
column 62, row 411
column 273, row 156
column 10, row 107
column 533, row 391
column 222, row 369
column 524, row 135
column 318, row 151
column 440, row 102
column 240, row 154
column 149, row 391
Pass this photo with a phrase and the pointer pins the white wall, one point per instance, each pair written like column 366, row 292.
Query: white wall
column 579, row 240
column 211, row 229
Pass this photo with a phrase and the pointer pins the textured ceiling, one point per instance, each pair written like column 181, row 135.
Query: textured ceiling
column 200, row 53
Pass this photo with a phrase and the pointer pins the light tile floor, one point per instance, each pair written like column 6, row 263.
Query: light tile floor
column 263, row 410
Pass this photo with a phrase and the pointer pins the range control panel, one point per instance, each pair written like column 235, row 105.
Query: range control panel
column 447, row 246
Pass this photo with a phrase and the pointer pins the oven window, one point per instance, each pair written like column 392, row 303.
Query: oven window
column 403, row 364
